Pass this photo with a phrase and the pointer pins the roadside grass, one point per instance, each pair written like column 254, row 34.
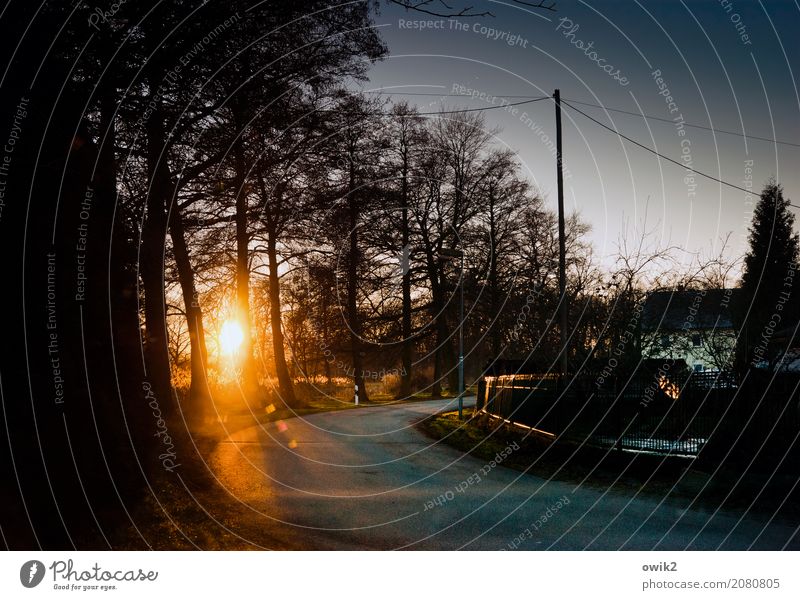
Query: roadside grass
column 483, row 437
column 657, row 477
column 187, row 509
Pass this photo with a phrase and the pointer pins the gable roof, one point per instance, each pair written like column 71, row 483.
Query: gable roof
column 689, row 309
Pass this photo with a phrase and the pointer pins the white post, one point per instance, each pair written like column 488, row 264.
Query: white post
column 356, row 394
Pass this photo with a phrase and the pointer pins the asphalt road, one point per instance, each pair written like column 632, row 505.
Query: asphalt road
column 368, row 479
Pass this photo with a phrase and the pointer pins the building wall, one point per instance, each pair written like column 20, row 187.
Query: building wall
column 703, row 350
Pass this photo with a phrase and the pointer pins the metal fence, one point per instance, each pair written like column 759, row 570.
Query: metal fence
column 648, row 412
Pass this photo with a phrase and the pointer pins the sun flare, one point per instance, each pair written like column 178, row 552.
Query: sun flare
column 231, row 337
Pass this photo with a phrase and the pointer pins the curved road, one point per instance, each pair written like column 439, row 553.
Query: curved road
column 368, row 479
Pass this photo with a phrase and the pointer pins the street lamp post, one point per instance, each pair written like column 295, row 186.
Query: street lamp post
column 562, row 248
column 446, row 254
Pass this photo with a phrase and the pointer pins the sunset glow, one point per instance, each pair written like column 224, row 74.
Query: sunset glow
column 231, row 337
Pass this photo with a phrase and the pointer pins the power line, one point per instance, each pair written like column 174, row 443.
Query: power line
column 704, row 127
column 436, row 112
column 673, row 161
column 609, row 108
column 568, row 103
column 449, row 112
column 434, row 94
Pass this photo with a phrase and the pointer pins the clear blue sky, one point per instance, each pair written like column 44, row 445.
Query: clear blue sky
column 716, row 76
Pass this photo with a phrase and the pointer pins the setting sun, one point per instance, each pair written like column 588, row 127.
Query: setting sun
column 231, row 337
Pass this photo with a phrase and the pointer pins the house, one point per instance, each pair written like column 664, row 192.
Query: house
column 695, row 326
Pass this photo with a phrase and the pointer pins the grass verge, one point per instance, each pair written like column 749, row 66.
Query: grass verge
column 648, row 475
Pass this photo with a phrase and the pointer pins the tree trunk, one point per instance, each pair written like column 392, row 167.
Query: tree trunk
column 249, row 375
column 199, row 393
column 493, row 282
column 444, row 351
column 154, row 233
column 285, row 383
column 445, row 354
column 436, row 279
column 352, row 290
column 408, row 343
column 436, row 388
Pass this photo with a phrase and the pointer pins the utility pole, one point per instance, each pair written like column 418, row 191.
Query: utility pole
column 562, row 242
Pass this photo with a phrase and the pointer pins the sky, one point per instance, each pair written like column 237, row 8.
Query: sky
column 725, row 64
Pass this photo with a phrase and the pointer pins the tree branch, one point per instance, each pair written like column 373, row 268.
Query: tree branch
column 421, row 5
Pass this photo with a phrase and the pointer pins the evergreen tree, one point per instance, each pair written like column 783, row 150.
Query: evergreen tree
column 768, row 301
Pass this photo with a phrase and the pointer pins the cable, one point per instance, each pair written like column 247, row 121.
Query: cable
column 433, row 94
column 437, row 112
column 619, row 110
column 632, row 141
column 612, row 130
column 635, row 114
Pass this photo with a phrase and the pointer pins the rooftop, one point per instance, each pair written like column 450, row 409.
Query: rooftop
column 689, row 309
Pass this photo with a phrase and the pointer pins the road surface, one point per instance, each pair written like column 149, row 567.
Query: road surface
column 368, row 479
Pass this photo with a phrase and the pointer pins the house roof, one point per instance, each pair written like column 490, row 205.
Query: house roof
column 688, row 309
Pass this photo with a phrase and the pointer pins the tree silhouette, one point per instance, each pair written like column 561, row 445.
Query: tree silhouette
column 769, row 287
